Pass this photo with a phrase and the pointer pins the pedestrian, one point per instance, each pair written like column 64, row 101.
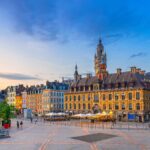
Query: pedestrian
column 31, row 119
column 18, row 124
column 36, row 121
column 21, row 124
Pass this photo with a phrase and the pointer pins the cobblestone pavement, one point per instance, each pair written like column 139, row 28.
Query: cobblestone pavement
column 58, row 136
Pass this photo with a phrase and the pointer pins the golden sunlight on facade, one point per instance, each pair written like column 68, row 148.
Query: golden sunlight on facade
column 127, row 94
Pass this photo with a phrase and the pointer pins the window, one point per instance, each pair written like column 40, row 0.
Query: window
column 137, row 106
column 137, row 95
column 123, row 106
column 130, row 96
column 74, row 106
column 116, row 97
column 70, row 106
column 130, row 106
column 123, row 96
column 89, row 107
column 96, row 98
column 110, row 106
column 74, row 98
column 89, row 97
column 79, row 106
column 83, row 97
column 79, row 98
column 104, row 97
column 84, row 106
column 116, row 106
column 70, row 98
column 110, row 96
column 66, row 98
column 104, row 106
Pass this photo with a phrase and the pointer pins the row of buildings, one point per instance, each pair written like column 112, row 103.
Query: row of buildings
column 40, row 99
column 126, row 94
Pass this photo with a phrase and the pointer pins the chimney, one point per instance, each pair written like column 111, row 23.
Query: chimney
column 133, row 69
column 118, row 71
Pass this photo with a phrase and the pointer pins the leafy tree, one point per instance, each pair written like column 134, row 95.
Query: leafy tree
column 6, row 111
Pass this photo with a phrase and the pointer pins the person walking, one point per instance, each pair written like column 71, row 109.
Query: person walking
column 36, row 121
column 17, row 124
column 31, row 119
column 21, row 124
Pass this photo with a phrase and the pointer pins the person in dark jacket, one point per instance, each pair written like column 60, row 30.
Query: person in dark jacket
column 18, row 124
column 21, row 124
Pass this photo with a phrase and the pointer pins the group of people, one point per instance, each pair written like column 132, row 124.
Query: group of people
column 19, row 124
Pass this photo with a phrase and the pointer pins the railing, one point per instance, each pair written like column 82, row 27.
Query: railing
column 103, row 125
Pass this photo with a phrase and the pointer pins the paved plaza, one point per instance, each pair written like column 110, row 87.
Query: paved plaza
column 57, row 136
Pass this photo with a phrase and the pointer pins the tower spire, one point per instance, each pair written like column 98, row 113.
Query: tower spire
column 100, row 61
column 76, row 73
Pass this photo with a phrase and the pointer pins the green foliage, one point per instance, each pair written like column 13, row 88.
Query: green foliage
column 6, row 111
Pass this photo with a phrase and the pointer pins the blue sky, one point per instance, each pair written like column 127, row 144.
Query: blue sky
column 43, row 39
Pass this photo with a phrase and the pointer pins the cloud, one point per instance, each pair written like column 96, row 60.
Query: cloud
column 140, row 54
column 17, row 76
column 61, row 20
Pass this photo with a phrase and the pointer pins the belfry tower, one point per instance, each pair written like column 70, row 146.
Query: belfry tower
column 76, row 73
column 100, row 61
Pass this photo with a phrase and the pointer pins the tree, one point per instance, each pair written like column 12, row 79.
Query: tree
column 6, row 111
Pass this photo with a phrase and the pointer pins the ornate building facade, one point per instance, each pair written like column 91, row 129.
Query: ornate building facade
column 53, row 97
column 127, row 94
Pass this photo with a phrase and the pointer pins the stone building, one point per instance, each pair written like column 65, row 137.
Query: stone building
column 53, row 97
column 127, row 94
column 12, row 92
column 34, row 98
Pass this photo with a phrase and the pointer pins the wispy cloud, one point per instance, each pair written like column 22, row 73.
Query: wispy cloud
column 17, row 76
column 140, row 54
column 50, row 21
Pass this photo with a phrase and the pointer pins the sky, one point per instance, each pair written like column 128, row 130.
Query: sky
column 44, row 39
